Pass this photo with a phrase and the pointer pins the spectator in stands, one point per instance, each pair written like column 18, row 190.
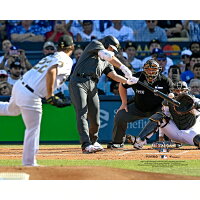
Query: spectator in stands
column 27, row 32
column 58, row 31
column 3, row 32
column 185, row 60
column 153, row 46
column 11, row 24
column 121, row 32
column 174, row 73
column 46, row 25
column 193, row 27
column 88, row 33
column 161, row 58
column 26, row 65
column 131, row 50
column 188, row 74
column 135, row 25
column 18, row 55
column 3, row 75
column 6, row 45
column 196, row 70
column 194, row 47
column 74, row 26
column 195, row 86
column 151, row 31
column 173, row 28
column 5, row 89
column 165, row 61
column 49, row 48
column 194, row 58
column 15, row 72
column 101, row 25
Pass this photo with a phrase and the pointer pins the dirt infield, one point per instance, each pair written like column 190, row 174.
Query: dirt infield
column 97, row 173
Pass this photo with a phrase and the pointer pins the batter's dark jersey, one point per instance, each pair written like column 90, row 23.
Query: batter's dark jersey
column 89, row 63
column 144, row 99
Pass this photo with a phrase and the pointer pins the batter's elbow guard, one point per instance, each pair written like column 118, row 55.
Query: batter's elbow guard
column 106, row 55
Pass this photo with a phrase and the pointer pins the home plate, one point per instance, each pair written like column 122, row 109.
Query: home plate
column 14, row 176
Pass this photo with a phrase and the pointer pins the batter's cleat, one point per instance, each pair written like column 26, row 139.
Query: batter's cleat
column 89, row 149
column 98, row 147
column 135, row 141
column 115, row 146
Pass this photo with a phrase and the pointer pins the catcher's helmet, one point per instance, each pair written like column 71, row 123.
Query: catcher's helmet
column 151, row 70
column 110, row 41
column 180, row 87
column 65, row 41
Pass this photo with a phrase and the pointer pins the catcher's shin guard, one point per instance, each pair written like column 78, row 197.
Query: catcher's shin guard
column 196, row 141
column 153, row 124
column 136, row 141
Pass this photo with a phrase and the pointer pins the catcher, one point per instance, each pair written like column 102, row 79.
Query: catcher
column 37, row 83
column 180, row 124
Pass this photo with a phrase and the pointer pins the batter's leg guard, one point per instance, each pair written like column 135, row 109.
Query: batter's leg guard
column 196, row 141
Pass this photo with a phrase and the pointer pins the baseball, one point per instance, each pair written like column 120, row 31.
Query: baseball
column 171, row 95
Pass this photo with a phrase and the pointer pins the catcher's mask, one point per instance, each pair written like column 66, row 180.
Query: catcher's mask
column 151, row 70
column 110, row 41
column 179, row 88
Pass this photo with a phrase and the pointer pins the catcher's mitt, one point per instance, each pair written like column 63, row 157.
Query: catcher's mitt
column 58, row 102
column 186, row 103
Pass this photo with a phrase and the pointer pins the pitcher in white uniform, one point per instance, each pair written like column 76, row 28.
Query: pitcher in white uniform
column 37, row 83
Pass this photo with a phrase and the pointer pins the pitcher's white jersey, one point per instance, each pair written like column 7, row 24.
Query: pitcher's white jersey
column 36, row 77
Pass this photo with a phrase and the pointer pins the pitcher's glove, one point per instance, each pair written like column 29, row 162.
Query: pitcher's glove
column 58, row 102
column 186, row 104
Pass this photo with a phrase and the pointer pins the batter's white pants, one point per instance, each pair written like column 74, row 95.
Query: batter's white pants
column 182, row 136
column 29, row 105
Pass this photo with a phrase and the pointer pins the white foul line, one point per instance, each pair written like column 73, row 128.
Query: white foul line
column 121, row 154
column 181, row 153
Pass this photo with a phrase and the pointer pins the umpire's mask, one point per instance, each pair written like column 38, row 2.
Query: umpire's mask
column 151, row 70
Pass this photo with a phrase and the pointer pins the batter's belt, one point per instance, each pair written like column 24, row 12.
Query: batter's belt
column 88, row 76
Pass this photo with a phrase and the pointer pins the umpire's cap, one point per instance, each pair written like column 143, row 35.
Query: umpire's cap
column 65, row 41
column 110, row 41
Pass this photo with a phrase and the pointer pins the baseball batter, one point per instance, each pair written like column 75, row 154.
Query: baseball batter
column 97, row 58
column 37, row 83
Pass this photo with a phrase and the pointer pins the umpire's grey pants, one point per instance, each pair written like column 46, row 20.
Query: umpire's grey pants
column 84, row 96
column 123, row 117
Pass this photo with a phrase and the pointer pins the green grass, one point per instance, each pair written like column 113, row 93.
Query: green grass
column 181, row 167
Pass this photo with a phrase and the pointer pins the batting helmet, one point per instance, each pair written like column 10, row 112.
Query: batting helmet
column 65, row 41
column 151, row 70
column 110, row 41
column 180, row 87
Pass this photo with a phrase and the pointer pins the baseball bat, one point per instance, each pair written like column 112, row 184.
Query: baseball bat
column 160, row 94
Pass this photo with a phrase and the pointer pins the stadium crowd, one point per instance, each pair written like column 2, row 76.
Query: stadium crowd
column 14, row 61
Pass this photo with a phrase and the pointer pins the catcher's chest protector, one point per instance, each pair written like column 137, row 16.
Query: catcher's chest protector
column 182, row 121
